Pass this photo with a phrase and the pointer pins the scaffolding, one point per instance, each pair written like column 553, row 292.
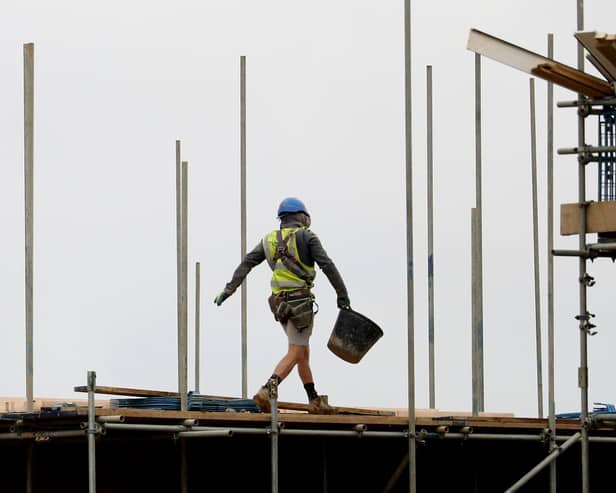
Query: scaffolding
column 606, row 175
column 604, row 154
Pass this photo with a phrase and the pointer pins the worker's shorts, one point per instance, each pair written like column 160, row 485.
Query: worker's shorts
column 295, row 337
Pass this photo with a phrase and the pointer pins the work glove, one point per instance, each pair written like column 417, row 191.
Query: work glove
column 343, row 302
column 222, row 296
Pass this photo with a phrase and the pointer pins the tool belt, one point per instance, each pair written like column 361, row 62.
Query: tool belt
column 293, row 306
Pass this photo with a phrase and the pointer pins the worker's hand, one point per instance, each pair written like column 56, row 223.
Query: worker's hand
column 222, row 296
column 344, row 303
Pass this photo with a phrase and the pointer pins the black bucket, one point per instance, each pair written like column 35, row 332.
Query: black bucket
column 353, row 336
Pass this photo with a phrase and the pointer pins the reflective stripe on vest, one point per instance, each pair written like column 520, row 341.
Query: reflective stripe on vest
column 282, row 278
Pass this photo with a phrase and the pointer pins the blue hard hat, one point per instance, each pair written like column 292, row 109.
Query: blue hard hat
column 291, row 205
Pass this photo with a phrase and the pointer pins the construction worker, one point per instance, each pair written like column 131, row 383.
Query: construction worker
column 291, row 252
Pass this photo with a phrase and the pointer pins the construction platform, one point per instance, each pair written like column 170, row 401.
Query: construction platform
column 143, row 450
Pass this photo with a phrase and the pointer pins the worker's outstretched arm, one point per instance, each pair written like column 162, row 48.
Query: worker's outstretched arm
column 252, row 259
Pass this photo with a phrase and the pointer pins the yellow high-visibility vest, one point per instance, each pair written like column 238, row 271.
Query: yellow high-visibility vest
column 284, row 279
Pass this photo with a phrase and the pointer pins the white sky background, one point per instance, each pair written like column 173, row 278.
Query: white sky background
column 117, row 83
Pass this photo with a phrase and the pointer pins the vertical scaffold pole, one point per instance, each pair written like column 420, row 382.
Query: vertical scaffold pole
column 478, row 303
column 244, row 289
column 91, row 433
column 431, row 365
column 29, row 216
column 533, row 170
column 29, row 467
column 178, row 235
column 583, row 370
column 272, row 387
column 184, row 298
column 409, row 247
column 197, row 325
column 183, row 465
column 475, row 286
column 550, row 156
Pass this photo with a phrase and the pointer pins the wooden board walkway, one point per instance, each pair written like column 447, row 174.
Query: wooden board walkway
column 340, row 421
column 289, row 406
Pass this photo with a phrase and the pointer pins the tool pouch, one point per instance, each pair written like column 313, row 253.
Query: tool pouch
column 280, row 308
column 297, row 311
column 302, row 315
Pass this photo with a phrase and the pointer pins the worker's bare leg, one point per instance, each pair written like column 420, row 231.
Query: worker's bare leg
column 283, row 368
column 294, row 355
column 303, row 366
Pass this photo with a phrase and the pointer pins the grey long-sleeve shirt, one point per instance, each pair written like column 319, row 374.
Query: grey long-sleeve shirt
column 310, row 252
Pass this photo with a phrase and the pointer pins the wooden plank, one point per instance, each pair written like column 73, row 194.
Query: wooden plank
column 334, row 421
column 600, row 218
column 533, row 63
column 573, row 79
column 100, row 389
column 293, row 406
column 290, row 406
column 224, row 417
column 601, row 50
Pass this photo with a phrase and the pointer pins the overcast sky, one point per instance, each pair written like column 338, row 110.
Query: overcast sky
column 116, row 83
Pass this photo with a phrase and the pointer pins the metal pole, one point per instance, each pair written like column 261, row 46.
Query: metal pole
column 42, row 435
column 197, row 323
column 583, row 370
column 548, row 460
column 396, row 475
column 272, row 385
column 478, row 192
column 431, row 370
column 475, row 308
column 29, row 471
column 184, row 298
column 183, row 466
column 244, row 290
column 550, row 156
column 91, row 433
column 205, row 434
column 533, row 169
column 409, row 246
column 178, row 234
column 324, row 462
column 587, row 150
column 29, row 215
column 589, row 101
column 197, row 431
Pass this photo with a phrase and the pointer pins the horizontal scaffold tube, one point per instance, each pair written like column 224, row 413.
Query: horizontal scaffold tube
column 604, row 247
column 197, row 431
column 609, row 417
column 211, row 431
column 571, row 253
column 144, row 427
column 207, row 433
column 589, row 102
column 586, row 149
column 42, row 435
column 110, row 419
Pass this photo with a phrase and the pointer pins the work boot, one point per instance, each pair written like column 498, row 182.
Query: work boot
column 319, row 405
column 262, row 400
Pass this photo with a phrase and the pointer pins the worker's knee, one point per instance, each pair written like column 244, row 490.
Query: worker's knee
column 298, row 353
